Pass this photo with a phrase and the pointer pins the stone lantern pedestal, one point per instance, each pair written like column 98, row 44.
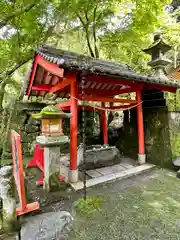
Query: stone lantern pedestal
column 52, row 153
column 51, row 139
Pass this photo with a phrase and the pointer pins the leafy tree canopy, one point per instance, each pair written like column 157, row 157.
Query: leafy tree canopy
column 108, row 29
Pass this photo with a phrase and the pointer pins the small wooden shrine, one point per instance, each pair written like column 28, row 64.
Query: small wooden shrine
column 78, row 78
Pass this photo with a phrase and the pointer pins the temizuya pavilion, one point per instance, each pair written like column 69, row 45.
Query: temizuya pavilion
column 66, row 74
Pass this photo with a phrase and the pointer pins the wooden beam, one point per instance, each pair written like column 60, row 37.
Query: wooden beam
column 45, row 73
column 50, row 67
column 109, row 93
column 139, row 85
column 33, row 72
column 120, row 107
column 87, row 108
column 162, row 88
column 106, row 99
column 64, row 104
column 42, row 87
column 66, row 107
column 70, row 78
column 116, row 81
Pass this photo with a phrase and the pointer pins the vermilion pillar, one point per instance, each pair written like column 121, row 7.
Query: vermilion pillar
column 140, row 125
column 73, row 171
column 104, row 124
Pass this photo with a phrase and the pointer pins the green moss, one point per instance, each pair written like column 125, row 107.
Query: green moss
column 175, row 144
column 51, row 110
column 7, row 161
column 148, row 211
column 173, row 100
column 88, row 206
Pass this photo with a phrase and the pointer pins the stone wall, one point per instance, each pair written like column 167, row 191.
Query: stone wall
column 26, row 126
column 127, row 143
column 157, row 137
column 161, row 128
column 174, row 127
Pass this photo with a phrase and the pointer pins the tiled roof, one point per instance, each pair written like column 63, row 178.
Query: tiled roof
column 76, row 62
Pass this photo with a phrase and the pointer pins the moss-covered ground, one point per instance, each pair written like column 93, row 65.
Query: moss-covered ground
column 150, row 210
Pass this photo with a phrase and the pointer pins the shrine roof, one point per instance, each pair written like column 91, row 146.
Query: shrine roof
column 73, row 62
column 77, row 62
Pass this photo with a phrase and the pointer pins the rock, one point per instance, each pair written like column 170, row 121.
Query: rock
column 46, row 226
column 98, row 156
column 117, row 121
column 32, row 136
column 32, row 121
column 80, row 154
column 26, row 147
column 32, row 147
column 7, row 194
column 176, row 163
column 6, row 171
column 31, row 128
column 21, row 119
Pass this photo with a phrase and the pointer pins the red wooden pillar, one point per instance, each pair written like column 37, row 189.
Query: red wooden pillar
column 73, row 171
column 104, row 124
column 140, row 125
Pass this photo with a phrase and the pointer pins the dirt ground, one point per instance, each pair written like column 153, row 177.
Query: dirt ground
column 145, row 207
column 141, row 207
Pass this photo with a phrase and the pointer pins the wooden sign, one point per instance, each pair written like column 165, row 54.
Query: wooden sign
column 18, row 173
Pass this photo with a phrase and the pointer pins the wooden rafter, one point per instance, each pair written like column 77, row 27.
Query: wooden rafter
column 64, row 104
column 120, row 82
column 108, row 93
column 42, row 87
column 106, row 99
column 69, row 79
column 50, row 67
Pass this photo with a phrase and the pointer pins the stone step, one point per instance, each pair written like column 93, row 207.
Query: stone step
column 113, row 176
column 93, row 173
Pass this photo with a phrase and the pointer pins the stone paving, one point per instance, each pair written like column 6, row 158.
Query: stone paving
column 108, row 170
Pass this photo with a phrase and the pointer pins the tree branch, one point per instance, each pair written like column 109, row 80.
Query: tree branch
column 16, row 14
column 86, row 15
column 85, row 26
column 94, row 32
column 17, row 66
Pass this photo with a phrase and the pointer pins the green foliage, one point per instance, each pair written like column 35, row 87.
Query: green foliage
column 173, row 101
column 24, row 26
column 175, row 144
column 88, row 206
column 109, row 29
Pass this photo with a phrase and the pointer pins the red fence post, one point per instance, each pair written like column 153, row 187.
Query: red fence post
column 18, row 173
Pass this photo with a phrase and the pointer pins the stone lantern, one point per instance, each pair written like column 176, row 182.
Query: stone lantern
column 51, row 139
column 157, row 51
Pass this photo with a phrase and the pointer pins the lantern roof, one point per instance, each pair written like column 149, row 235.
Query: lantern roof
column 158, row 44
column 51, row 111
